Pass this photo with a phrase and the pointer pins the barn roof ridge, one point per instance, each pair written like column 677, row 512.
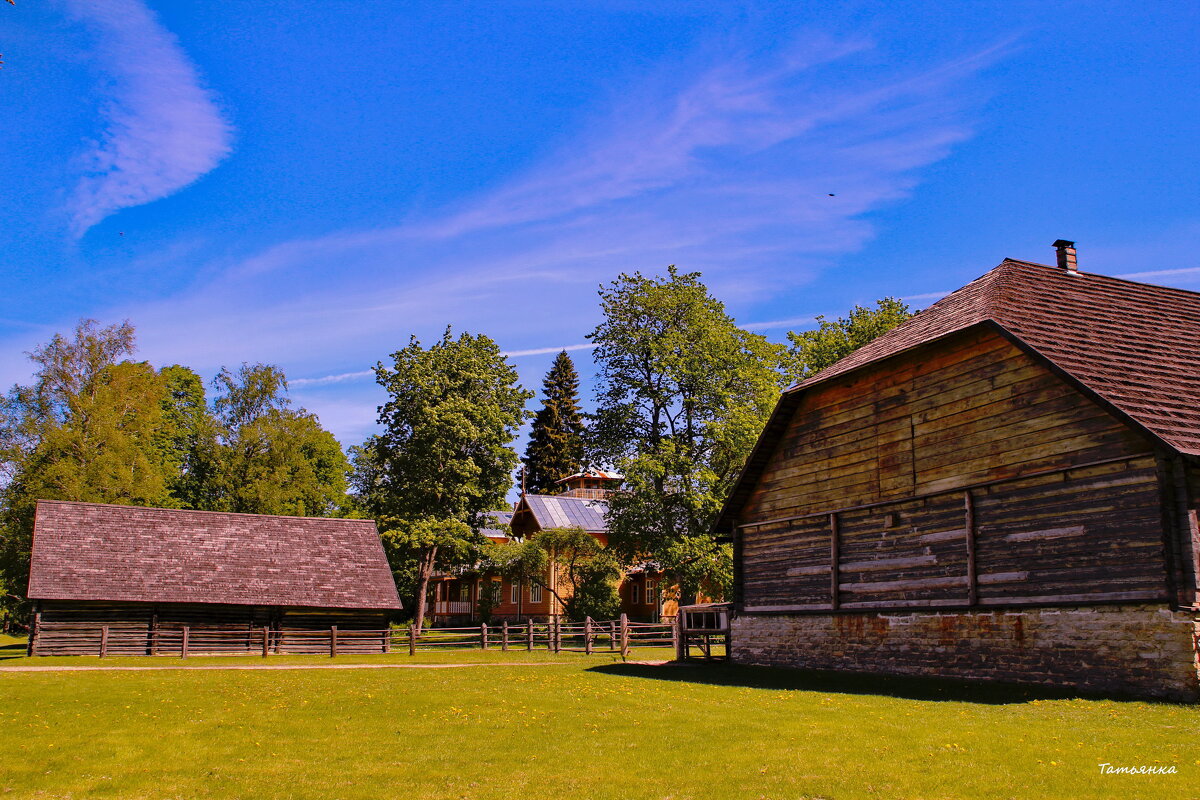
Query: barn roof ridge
column 205, row 511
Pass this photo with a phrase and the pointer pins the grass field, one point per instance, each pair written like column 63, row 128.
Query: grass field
column 589, row 727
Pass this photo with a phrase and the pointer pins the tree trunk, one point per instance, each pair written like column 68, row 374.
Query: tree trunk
column 424, row 573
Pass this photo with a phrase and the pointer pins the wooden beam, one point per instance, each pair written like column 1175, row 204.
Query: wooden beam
column 941, row 492
column 834, row 543
column 972, row 578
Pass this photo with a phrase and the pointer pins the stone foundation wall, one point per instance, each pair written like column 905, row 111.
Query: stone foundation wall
column 1140, row 650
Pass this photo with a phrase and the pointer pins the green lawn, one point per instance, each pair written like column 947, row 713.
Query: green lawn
column 590, row 727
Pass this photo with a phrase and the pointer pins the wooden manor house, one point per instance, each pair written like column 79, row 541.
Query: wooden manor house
column 141, row 577
column 454, row 596
column 1004, row 487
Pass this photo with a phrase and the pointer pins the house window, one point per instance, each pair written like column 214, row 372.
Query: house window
column 464, row 592
column 496, row 589
column 515, row 592
column 535, row 593
column 634, row 594
column 649, row 592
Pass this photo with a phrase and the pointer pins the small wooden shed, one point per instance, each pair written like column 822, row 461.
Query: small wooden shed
column 139, row 576
column 1004, row 487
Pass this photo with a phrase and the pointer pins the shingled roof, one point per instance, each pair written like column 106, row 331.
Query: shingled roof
column 1133, row 346
column 90, row 551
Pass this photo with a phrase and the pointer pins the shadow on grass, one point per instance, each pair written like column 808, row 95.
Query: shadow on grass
column 909, row 688
column 12, row 650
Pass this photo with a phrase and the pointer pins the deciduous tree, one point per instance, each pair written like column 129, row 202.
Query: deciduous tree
column 683, row 394
column 444, row 458
column 812, row 351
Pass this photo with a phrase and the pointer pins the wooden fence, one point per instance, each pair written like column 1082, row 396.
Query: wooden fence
column 556, row 635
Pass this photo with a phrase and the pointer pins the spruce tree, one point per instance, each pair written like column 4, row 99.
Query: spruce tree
column 555, row 447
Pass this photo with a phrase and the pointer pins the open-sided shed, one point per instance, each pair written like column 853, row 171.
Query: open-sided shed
column 144, row 574
column 1004, row 487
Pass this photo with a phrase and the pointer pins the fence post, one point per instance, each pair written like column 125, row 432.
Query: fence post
column 529, row 634
column 183, row 647
column 624, row 636
column 504, row 636
column 679, row 634
column 387, row 639
column 612, row 636
column 483, row 636
column 557, row 633
column 103, row 641
column 266, row 640
column 587, row 636
column 332, row 641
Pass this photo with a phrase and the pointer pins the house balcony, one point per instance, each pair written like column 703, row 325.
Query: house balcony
column 451, row 608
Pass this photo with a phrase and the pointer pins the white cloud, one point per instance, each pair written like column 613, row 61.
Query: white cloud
column 161, row 128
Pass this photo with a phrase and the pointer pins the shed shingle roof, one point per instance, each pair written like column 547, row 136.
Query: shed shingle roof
column 1135, row 346
column 90, row 551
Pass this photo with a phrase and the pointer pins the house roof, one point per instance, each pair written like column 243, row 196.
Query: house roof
column 90, row 551
column 554, row 511
column 501, row 529
column 595, row 474
column 1133, row 346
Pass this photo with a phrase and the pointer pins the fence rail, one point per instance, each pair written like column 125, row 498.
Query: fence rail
column 555, row 635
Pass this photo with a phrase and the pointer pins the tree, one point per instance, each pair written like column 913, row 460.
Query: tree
column 585, row 572
column 90, row 427
column 813, row 351
column 444, row 458
column 683, row 394
column 190, row 440
column 555, row 448
column 273, row 459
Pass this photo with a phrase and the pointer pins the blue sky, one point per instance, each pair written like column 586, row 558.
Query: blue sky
column 309, row 184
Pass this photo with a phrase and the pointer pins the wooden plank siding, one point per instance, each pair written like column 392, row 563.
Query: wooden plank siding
column 1064, row 498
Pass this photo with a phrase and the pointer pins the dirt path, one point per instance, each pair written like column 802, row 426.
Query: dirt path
column 298, row 666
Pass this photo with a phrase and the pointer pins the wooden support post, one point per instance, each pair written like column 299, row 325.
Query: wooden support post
column 333, row 641
column 834, row 560
column 504, row 636
column 529, row 634
column 103, row 641
column 972, row 581
column 612, row 636
column 412, row 639
column 154, row 633
column 679, row 634
column 266, row 641
column 31, row 650
column 558, row 634
column 624, row 636
column 183, row 646
column 587, row 636
column 483, row 636
column 387, row 639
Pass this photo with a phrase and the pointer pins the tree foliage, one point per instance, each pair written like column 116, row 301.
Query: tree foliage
column 556, row 447
column 812, row 351
column 444, row 458
column 96, row 426
column 585, row 572
column 683, row 394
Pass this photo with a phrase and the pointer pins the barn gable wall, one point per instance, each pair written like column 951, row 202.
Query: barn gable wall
column 964, row 473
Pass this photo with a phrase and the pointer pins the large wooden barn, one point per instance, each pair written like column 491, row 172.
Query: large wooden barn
column 132, row 579
column 1004, row 487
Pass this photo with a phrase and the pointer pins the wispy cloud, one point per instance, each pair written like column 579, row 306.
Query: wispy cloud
column 757, row 167
column 161, row 128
